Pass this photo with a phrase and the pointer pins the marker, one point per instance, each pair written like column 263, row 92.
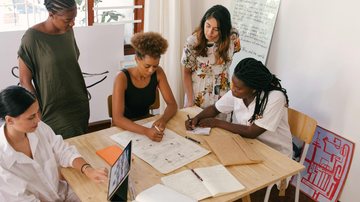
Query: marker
column 192, row 170
column 189, row 138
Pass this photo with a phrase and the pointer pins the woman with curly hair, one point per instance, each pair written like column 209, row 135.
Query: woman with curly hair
column 135, row 88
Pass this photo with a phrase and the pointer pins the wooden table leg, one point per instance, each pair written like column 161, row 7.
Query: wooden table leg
column 282, row 187
column 246, row 198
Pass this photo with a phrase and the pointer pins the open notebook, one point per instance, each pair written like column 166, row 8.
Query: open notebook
column 160, row 193
column 203, row 182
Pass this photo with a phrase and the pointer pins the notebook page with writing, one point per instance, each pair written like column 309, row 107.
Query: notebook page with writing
column 160, row 193
column 199, row 131
column 187, row 183
column 218, row 180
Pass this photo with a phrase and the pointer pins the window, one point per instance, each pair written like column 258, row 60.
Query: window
column 128, row 12
column 22, row 14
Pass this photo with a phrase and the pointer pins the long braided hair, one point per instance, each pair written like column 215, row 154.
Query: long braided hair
column 58, row 6
column 256, row 76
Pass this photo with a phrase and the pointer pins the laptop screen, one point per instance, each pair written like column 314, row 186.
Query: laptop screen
column 120, row 170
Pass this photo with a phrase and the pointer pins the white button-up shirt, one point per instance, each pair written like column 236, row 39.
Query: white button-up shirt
column 274, row 120
column 37, row 179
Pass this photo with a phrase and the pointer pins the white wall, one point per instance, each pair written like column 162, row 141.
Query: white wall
column 101, row 49
column 316, row 52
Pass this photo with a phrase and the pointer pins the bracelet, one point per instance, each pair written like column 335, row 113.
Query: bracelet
column 83, row 167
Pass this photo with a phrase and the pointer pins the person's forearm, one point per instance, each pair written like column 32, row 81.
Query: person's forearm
column 25, row 76
column 242, row 130
column 188, row 85
column 78, row 163
column 28, row 85
column 208, row 112
column 169, row 112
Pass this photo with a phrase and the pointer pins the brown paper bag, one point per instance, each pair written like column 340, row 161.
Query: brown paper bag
column 233, row 150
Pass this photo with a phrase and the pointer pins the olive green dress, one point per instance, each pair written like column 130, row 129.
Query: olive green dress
column 59, row 84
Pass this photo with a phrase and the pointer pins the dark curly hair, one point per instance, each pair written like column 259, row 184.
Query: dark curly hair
column 149, row 43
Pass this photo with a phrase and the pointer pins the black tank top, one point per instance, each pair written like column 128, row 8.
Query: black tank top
column 138, row 100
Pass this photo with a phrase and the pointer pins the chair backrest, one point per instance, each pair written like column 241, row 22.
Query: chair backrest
column 301, row 125
column 155, row 105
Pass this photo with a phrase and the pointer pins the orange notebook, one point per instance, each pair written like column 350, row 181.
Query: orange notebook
column 110, row 153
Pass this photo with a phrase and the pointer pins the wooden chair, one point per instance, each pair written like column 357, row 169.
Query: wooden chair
column 303, row 127
column 155, row 105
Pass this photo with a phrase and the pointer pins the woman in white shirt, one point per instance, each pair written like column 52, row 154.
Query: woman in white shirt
column 259, row 106
column 30, row 153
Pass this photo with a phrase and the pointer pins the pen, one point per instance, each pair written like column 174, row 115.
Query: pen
column 189, row 138
column 188, row 117
column 158, row 130
column 192, row 170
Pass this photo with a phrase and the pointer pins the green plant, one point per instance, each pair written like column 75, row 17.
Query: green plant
column 113, row 15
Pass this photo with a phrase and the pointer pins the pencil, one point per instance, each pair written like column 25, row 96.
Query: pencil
column 189, row 138
column 192, row 170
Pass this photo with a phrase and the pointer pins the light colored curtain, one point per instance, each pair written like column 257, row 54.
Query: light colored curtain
column 172, row 19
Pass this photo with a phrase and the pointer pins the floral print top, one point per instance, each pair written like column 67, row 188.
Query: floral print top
column 210, row 81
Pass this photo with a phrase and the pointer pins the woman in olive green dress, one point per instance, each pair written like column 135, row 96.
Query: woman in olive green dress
column 48, row 64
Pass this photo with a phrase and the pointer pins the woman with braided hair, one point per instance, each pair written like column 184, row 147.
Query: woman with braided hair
column 48, row 58
column 259, row 106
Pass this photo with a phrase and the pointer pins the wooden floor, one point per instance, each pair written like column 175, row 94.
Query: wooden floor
column 274, row 196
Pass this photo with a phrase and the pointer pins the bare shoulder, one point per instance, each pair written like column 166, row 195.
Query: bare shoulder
column 160, row 73
column 121, row 79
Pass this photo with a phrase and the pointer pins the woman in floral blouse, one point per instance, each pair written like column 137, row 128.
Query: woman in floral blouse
column 207, row 56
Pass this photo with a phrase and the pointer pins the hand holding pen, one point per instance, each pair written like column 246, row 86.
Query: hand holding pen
column 191, row 123
column 159, row 125
column 156, row 132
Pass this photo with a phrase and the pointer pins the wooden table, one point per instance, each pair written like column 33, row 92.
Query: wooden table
column 275, row 166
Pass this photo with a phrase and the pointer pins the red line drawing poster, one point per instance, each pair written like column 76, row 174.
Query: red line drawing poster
column 327, row 164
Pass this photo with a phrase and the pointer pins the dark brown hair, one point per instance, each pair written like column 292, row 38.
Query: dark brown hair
column 149, row 43
column 222, row 16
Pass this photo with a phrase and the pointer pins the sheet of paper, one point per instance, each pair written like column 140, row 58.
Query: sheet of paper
column 160, row 193
column 173, row 152
column 199, row 131
column 218, row 180
column 215, row 181
column 187, row 183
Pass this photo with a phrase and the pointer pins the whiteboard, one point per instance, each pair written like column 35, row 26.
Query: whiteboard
column 255, row 20
column 101, row 49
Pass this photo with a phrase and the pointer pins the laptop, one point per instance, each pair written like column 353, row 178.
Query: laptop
column 118, row 179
